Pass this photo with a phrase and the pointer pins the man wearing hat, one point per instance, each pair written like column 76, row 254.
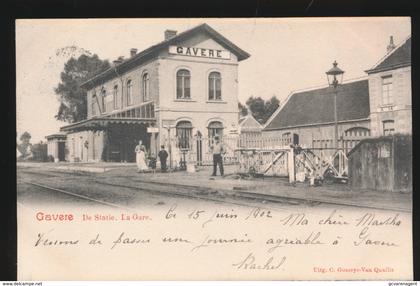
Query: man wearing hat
column 163, row 155
column 217, row 150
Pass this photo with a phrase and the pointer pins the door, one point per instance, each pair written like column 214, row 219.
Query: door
column 199, row 147
column 81, row 149
column 61, row 151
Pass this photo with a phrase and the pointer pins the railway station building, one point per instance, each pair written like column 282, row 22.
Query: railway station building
column 185, row 85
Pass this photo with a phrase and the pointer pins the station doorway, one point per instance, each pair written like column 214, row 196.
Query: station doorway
column 122, row 139
column 61, row 151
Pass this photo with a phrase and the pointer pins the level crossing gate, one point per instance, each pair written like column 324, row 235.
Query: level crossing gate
column 261, row 156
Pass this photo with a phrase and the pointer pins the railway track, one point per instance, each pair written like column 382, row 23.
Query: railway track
column 240, row 198
column 207, row 194
column 79, row 196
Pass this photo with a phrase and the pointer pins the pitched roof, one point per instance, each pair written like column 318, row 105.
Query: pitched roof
column 316, row 106
column 398, row 57
column 249, row 123
column 153, row 50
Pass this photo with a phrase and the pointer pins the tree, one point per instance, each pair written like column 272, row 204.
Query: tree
column 243, row 110
column 270, row 107
column 25, row 147
column 25, row 137
column 261, row 109
column 73, row 104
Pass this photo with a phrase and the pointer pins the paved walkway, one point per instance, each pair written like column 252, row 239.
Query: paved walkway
column 100, row 167
column 274, row 189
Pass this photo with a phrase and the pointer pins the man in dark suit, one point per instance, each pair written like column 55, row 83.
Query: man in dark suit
column 217, row 150
column 163, row 155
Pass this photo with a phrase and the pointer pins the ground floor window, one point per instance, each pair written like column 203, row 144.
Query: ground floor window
column 215, row 128
column 357, row 132
column 184, row 134
column 286, row 138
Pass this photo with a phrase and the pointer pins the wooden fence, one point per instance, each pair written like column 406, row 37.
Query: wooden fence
column 197, row 150
column 262, row 141
column 345, row 143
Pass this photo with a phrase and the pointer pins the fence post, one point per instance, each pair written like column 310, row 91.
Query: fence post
column 291, row 164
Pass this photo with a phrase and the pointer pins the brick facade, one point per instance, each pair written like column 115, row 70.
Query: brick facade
column 162, row 66
column 400, row 109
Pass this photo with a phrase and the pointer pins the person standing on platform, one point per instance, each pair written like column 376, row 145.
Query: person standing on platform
column 141, row 157
column 218, row 151
column 163, row 155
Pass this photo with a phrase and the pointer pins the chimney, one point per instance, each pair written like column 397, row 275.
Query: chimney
column 118, row 61
column 170, row 34
column 391, row 45
column 133, row 52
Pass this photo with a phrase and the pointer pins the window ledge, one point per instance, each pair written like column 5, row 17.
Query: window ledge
column 184, row 100
column 387, row 107
column 216, row 101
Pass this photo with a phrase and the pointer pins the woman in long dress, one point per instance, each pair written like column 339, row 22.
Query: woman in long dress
column 141, row 157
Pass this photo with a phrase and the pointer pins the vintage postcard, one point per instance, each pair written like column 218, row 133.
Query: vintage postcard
column 214, row 149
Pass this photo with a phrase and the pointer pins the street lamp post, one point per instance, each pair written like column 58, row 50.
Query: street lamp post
column 335, row 78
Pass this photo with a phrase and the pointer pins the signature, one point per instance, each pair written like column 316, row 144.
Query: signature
column 251, row 263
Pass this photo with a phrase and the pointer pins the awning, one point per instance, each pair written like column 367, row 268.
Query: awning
column 56, row 136
column 101, row 123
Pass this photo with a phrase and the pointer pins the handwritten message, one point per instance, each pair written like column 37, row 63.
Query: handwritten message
column 231, row 241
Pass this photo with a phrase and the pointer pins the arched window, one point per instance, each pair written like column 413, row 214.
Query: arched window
column 129, row 92
column 103, row 100
column 183, row 90
column 93, row 105
column 388, row 127
column 286, row 138
column 215, row 86
column 146, row 87
column 184, row 134
column 215, row 128
column 115, row 97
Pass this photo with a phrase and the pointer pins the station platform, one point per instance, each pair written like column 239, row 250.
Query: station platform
column 234, row 185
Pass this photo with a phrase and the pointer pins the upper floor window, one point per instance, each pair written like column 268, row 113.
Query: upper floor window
column 215, row 129
column 215, row 86
column 103, row 100
column 183, row 90
column 388, row 127
column 129, row 92
column 387, row 90
column 115, row 97
column 146, row 87
column 93, row 104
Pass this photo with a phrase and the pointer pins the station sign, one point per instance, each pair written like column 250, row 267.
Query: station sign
column 152, row 130
column 199, row 52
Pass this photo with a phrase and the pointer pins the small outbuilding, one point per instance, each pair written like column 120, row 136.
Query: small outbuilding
column 248, row 124
column 382, row 164
column 56, row 146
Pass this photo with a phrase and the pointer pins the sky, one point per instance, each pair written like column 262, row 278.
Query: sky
column 287, row 54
